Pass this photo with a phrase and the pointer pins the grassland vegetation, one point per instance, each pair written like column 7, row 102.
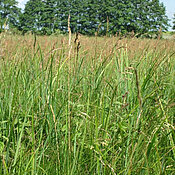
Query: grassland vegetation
column 102, row 106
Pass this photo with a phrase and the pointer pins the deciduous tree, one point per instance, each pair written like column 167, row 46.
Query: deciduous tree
column 174, row 22
column 31, row 19
column 9, row 13
column 90, row 16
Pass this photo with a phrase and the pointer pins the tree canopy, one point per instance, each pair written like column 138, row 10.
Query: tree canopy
column 174, row 22
column 9, row 14
column 88, row 16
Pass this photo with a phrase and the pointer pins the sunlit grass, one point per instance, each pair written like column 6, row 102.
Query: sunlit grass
column 107, row 110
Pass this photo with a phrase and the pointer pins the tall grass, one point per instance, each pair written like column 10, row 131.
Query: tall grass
column 109, row 112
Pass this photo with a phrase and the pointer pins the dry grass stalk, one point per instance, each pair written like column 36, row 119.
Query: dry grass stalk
column 139, row 97
column 69, row 30
column 70, row 35
column 77, row 44
column 69, row 96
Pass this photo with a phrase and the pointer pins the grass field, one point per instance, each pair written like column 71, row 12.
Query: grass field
column 98, row 106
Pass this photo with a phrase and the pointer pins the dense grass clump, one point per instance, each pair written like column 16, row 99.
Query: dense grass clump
column 102, row 106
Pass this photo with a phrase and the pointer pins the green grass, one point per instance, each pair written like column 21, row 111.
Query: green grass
column 91, row 114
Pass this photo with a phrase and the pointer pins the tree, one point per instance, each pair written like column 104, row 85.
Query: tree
column 62, row 13
column 139, row 16
column 41, row 17
column 121, row 19
column 31, row 19
column 9, row 14
column 90, row 16
column 49, row 16
column 174, row 22
column 76, row 11
column 150, row 15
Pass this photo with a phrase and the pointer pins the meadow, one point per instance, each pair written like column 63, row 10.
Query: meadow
column 97, row 105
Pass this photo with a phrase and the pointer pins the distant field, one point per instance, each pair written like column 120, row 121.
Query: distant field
column 169, row 35
column 98, row 106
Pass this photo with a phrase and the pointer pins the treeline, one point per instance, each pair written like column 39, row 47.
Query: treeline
column 46, row 17
column 174, row 22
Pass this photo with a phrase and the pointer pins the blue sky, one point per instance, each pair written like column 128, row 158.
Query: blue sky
column 170, row 8
column 169, row 4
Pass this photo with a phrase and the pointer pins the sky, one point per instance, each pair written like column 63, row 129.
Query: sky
column 169, row 4
column 170, row 9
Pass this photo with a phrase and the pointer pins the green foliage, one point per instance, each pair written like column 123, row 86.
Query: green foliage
column 48, row 17
column 87, row 16
column 174, row 22
column 149, row 16
column 9, row 14
column 31, row 19
column 91, row 16
column 62, row 13
column 87, row 115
